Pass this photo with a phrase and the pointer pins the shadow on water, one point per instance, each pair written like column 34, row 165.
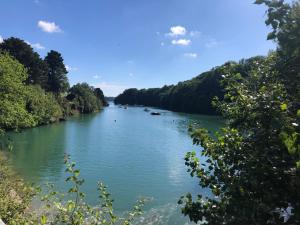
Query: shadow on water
column 36, row 149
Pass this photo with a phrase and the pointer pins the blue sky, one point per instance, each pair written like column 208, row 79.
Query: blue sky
column 118, row 44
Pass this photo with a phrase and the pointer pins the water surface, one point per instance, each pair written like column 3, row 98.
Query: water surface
column 134, row 153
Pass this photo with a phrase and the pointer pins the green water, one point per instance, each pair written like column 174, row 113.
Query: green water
column 134, row 153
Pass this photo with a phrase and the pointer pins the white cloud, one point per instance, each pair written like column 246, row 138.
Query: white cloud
column 111, row 89
column 96, row 77
column 70, row 68
column 37, row 46
column 184, row 42
column 177, row 31
column 49, row 27
column 212, row 43
column 1, row 39
column 190, row 55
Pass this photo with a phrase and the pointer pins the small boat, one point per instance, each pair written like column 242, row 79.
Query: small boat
column 146, row 110
column 155, row 113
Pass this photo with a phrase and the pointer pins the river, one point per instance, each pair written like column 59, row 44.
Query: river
column 134, row 153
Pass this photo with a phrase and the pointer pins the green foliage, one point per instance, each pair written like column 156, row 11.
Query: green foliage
column 60, row 208
column 85, row 99
column 248, row 167
column 284, row 19
column 65, row 106
column 42, row 106
column 13, row 113
column 37, row 98
column 252, row 167
column 23, row 105
column 99, row 94
column 23, row 52
column 15, row 197
column 57, row 76
column 193, row 96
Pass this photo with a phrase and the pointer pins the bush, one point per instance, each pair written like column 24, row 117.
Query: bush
column 42, row 106
column 15, row 196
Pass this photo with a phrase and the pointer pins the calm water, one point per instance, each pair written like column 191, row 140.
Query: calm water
column 138, row 155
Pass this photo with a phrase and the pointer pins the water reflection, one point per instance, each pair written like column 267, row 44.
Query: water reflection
column 36, row 150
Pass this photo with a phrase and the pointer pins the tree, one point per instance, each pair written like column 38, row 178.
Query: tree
column 13, row 113
column 252, row 166
column 192, row 96
column 84, row 99
column 99, row 94
column 248, row 167
column 23, row 52
column 42, row 106
column 57, row 76
column 285, row 21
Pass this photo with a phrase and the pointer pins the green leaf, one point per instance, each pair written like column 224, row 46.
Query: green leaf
column 43, row 219
column 271, row 36
column 76, row 173
column 283, row 107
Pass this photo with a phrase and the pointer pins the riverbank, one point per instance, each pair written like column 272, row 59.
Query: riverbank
column 15, row 195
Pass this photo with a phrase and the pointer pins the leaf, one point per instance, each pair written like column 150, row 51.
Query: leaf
column 271, row 36
column 76, row 173
column 283, row 107
column 43, row 219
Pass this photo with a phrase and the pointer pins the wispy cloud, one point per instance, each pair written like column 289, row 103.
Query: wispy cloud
column 36, row 46
column 190, row 55
column 162, row 44
column 183, row 42
column 49, row 27
column 212, row 43
column 130, row 74
column 70, row 68
column 1, row 39
column 195, row 33
column 177, row 31
column 96, row 76
column 111, row 89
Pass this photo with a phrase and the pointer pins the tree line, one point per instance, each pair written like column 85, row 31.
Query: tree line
column 191, row 96
column 36, row 91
